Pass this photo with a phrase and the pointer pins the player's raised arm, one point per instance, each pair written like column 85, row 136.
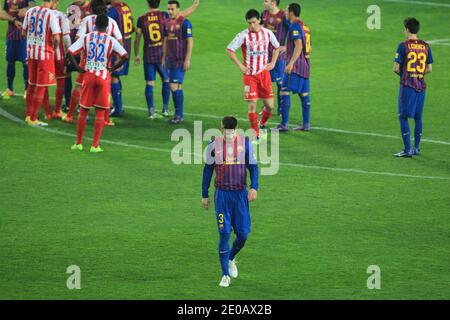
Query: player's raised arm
column 191, row 9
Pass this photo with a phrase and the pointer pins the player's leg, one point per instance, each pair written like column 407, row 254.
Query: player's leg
column 68, row 89
column 285, row 102
column 30, row 91
column 75, row 98
column 102, row 103
column 303, row 89
column 404, row 106
column 165, row 91
column 23, row 59
column 47, row 107
column 60, row 84
column 176, row 86
column 88, row 93
column 116, row 93
column 81, row 126
column 418, row 122
column 37, row 101
column 150, row 77
column 265, row 92
column 253, row 116
column 221, row 205
column 10, row 69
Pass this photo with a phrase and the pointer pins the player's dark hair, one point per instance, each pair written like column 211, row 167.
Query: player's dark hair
column 154, row 4
column 252, row 13
column 412, row 24
column 295, row 9
column 98, row 7
column 174, row 2
column 277, row 1
column 229, row 122
column 101, row 22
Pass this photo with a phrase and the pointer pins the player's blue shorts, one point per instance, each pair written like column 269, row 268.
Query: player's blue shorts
column 123, row 70
column 150, row 70
column 16, row 50
column 176, row 75
column 232, row 211
column 410, row 102
column 277, row 73
column 295, row 84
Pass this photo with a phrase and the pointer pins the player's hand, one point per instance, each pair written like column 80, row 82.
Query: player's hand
column 283, row 49
column 270, row 66
column 81, row 70
column 245, row 70
column 163, row 64
column 187, row 65
column 196, row 2
column 289, row 68
column 18, row 24
column 206, row 203
column 252, row 194
column 137, row 60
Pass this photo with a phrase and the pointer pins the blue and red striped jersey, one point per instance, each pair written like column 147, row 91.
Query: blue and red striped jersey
column 177, row 31
column 121, row 12
column 299, row 30
column 413, row 56
column 231, row 160
column 152, row 26
column 279, row 25
column 12, row 7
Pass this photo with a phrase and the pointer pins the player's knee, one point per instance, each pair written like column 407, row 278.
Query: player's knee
column 241, row 237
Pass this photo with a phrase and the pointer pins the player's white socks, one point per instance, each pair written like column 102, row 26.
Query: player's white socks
column 225, row 282
column 232, row 269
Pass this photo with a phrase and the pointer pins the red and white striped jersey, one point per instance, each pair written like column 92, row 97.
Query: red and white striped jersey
column 255, row 48
column 88, row 25
column 40, row 25
column 64, row 24
column 98, row 49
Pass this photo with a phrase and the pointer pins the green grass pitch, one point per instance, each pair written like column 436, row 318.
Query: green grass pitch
column 133, row 221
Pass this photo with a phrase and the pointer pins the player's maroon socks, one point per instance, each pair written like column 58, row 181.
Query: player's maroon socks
column 37, row 99
column 81, row 124
column 29, row 101
column 46, row 103
column 253, row 119
column 59, row 94
column 265, row 116
column 99, row 124
column 74, row 100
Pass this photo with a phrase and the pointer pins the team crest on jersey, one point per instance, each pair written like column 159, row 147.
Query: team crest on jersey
column 295, row 33
column 189, row 31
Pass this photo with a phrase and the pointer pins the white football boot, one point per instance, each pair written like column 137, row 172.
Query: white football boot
column 225, row 282
column 232, row 269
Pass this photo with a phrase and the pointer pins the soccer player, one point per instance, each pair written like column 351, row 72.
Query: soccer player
column 151, row 26
column 16, row 45
column 296, row 76
column 177, row 51
column 98, row 47
column 254, row 42
column 76, row 12
column 43, row 33
column 274, row 19
column 230, row 155
column 60, row 61
column 412, row 62
column 120, row 12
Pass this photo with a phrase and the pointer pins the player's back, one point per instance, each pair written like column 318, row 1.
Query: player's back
column 416, row 56
column 299, row 30
column 40, row 24
column 88, row 26
column 122, row 14
column 152, row 25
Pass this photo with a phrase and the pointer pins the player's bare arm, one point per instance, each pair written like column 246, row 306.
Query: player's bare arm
column 164, row 57
column 189, row 11
column 190, row 46
column 56, row 41
column 119, row 63
column 396, row 68
column 234, row 58
column 429, row 69
column 297, row 53
column 276, row 54
column 137, row 41
column 74, row 62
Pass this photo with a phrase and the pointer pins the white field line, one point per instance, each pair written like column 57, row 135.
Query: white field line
column 424, row 3
column 296, row 165
column 379, row 135
column 440, row 42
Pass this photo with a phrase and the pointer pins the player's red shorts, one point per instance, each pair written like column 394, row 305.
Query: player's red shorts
column 60, row 69
column 95, row 91
column 42, row 72
column 80, row 78
column 258, row 86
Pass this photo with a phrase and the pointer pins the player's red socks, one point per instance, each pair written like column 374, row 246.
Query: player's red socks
column 29, row 101
column 107, row 117
column 46, row 102
column 59, row 94
column 99, row 124
column 37, row 99
column 74, row 100
column 81, row 124
column 253, row 119
column 265, row 116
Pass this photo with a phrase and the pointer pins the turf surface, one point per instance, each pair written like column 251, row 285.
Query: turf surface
column 133, row 222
